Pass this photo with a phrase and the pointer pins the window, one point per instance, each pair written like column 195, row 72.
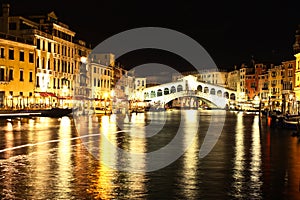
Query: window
column 30, row 77
column 44, row 45
column 12, row 26
column 54, row 83
column 58, row 65
column 38, row 62
column 11, row 75
column 31, row 56
column 49, row 47
column 21, row 55
column 2, row 70
column 54, row 65
column 21, row 94
column 38, row 44
column 11, row 54
column 2, row 52
column 21, row 75
column 37, row 81
column 49, row 64
column 43, row 63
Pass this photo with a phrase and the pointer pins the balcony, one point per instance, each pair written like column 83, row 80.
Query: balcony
column 2, row 82
column 15, row 38
column 36, row 32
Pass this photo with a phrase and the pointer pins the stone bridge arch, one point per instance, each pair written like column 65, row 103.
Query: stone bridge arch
column 217, row 95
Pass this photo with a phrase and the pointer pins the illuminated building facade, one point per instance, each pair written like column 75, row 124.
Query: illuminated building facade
column 101, row 66
column 296, row 47
column 17, row 69
column 57, row 54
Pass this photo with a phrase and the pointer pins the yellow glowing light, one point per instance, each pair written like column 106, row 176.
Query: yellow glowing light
column 83, row 59
column 112, row 93
column 105, row 95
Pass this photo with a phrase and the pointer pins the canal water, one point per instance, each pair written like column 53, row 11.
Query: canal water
column 63, row 158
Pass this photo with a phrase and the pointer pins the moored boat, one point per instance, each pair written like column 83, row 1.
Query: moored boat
column 51, row 112
column 291, row 122
column 56, row 112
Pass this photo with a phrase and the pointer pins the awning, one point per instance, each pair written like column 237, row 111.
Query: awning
column 68, row 97
column 47, row 94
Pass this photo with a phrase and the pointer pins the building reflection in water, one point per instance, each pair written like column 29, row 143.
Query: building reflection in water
column 239, row 158
column 64, row 171
column 40, row 160
column 111, row 182
column 189, row 170
column 293, row 172
column 255, row 164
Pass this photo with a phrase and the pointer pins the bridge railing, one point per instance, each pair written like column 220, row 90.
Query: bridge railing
column 219, row 101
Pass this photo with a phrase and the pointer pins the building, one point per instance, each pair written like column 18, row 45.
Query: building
column 296, row 48
column 213, row 76
column 57, row 54
column 17, row 69
column 102, row 73
column 242, row 93
column 234, row 79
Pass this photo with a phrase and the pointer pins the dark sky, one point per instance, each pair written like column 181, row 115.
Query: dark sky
column 231, row 31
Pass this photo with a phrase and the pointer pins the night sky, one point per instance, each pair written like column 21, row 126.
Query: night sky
column 231, row 32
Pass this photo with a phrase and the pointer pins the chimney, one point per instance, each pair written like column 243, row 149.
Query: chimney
column 5, row 18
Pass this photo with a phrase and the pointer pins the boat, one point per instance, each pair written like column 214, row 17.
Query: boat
column 291, row 121
column 56, row 112
column 51, row 112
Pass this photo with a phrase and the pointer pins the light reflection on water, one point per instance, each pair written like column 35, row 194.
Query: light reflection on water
column 44, row 158
column 239, row 160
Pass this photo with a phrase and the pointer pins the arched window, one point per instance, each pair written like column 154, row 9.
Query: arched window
column 226, row 95
column 166, row 91
column 199, row 88
column 179, row 88
column 212, row 91
column 159, row 92
column 206, row 90
column 173, row 89
column 152, row 94
column 219, row 93
column 146, row 95
column 232, row 96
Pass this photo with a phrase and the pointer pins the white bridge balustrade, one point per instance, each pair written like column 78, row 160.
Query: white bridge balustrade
column 188, row 86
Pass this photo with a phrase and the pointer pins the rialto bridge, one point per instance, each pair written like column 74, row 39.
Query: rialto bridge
column 189, row 89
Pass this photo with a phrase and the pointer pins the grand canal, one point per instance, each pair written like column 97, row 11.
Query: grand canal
column 46, row 158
